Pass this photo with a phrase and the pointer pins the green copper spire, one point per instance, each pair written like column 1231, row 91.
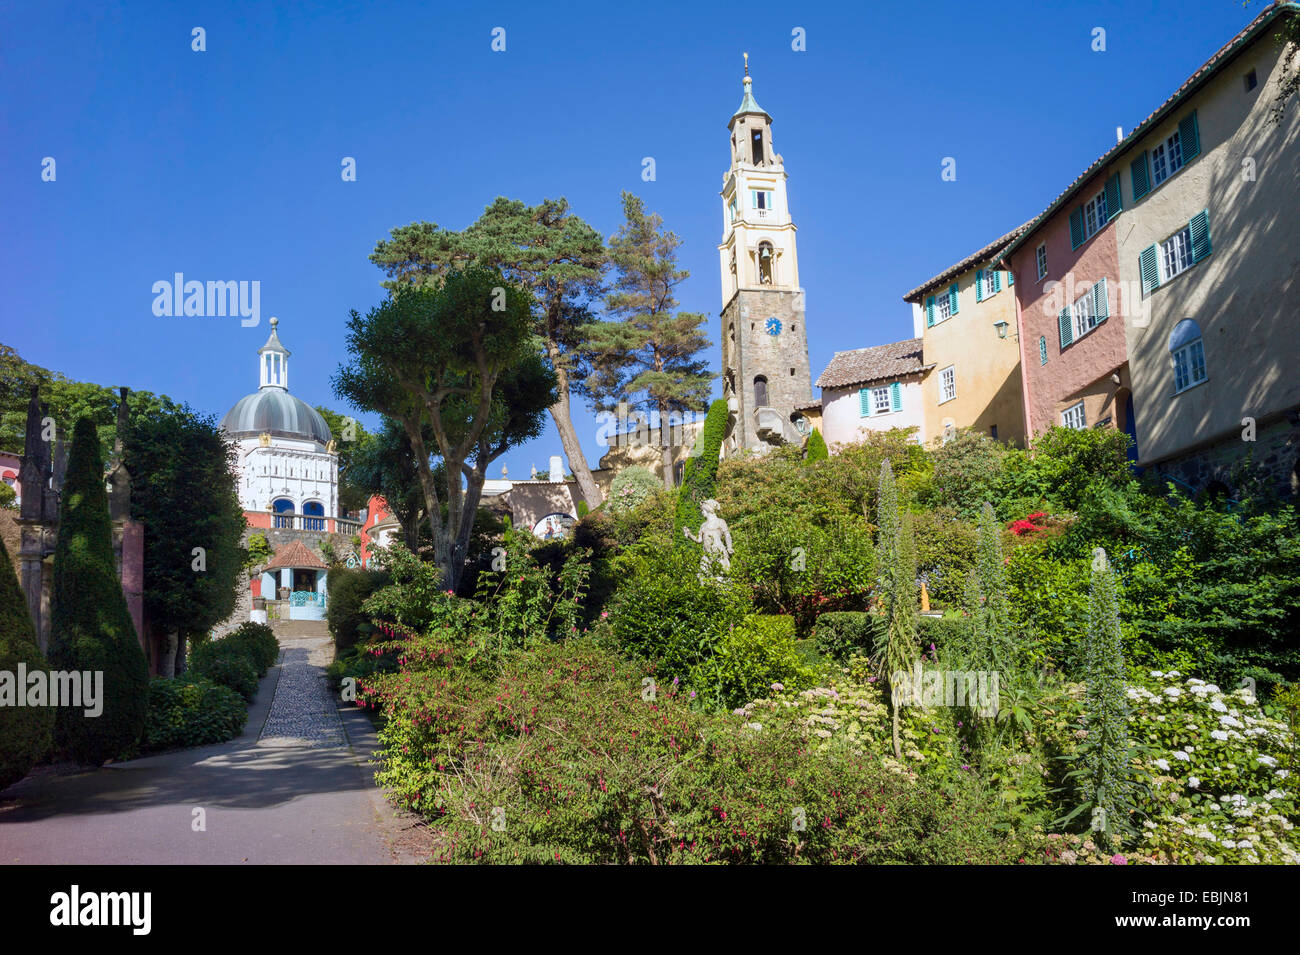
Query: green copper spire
column 749, row 104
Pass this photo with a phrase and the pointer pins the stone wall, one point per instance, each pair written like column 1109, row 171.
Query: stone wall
column 1272, row 458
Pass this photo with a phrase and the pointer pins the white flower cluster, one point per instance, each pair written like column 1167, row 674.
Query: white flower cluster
column 1229, row 798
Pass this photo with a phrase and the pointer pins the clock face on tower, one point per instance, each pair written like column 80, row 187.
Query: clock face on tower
column 773, row 326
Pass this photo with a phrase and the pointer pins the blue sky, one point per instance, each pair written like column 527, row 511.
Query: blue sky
column 226, row 164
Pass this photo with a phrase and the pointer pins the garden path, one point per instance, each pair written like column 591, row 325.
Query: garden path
column 296, row 788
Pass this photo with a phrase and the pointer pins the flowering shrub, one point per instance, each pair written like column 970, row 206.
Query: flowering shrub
column 568, row 753
column 1028, row 524
column 1219, row 787
column 631, row 487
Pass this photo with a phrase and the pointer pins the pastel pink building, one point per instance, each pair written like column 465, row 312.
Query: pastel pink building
column 1069, row 302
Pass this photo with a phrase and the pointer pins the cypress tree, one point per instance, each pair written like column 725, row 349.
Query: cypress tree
column 25, row 731
column 816, row 450
column 91, row 628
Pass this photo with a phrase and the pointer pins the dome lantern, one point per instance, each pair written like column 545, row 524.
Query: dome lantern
column 273, row 361
column 271, row 412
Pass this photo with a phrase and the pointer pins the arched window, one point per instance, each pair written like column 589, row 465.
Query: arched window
column 283, row 508
column 315, row 516
column 760, row 392
column 1188, row 355
column 765, row 263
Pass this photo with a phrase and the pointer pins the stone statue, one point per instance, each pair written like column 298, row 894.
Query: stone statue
column 715, row 537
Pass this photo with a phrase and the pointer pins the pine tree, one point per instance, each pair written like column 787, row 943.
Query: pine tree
column 25, row 731
column 90, row 626
column 896, row 628
column 650, row 352
column 1104, row 783
column 545, row 248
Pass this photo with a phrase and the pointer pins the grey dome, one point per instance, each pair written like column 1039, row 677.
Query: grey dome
column 276, row 412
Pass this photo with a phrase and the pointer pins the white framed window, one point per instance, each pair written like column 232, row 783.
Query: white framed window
column 1073, row 417
column 731, row 209
column 761, row 198
column 1188, row 354
column 947, row 384
column 880, row 400
column 1166, row 159
column 1084, row 312
column 1176, row 254
column 1040, row 255
column 991, row 285
column 1094, row 215
column 942, row 308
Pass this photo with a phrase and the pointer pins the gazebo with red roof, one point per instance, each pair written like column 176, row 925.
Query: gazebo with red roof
column 301, row 580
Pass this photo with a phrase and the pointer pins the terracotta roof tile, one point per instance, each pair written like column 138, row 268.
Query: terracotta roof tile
column 972, row 260
column 296, row 554
column 872, row 364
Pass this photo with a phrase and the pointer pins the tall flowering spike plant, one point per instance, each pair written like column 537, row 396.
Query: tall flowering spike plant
column 991, row 647
column 1104, row 781
column 895, row 638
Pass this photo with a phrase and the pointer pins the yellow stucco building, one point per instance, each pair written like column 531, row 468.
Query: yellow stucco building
column 966, row 319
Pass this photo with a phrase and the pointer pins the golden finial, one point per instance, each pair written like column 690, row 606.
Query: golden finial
column 746, row 56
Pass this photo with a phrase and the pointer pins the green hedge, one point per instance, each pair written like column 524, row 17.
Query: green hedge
column 25, row 731
column 348, row 590
column 749, row 659
column 228, row 664
column 840, row 635
column 257, row 642
column 946, row 633
column 191, row 711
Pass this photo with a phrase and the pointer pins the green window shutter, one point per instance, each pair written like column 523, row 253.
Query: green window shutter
column 1100, row 301
column 1042, row 349
column 1200, row 226
column 1114, row 197
column 997, row 282
column 1149, row 269
column 864, row 402
column 1076, row 228
column 1141, row 171
column 979, row 285
column 895, row 396
column 1189, row 137
column 1066, row 327
column 952, row 299
column 929, row 311
column 1011, row 278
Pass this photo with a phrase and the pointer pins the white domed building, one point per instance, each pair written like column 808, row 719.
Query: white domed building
column 287, row 469
column 288, row 480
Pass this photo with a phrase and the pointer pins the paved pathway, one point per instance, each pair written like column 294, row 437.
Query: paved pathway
column 296, row 787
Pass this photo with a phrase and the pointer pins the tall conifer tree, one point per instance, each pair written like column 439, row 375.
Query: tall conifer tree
column 90, row 626
column 650, row 352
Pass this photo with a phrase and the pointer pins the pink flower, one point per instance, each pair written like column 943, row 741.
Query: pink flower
column 1118, row 859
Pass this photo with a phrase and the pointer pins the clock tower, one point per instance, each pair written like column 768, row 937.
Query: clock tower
column 765, row 365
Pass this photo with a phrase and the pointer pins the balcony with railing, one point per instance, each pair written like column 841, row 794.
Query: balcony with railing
column 312, row 522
